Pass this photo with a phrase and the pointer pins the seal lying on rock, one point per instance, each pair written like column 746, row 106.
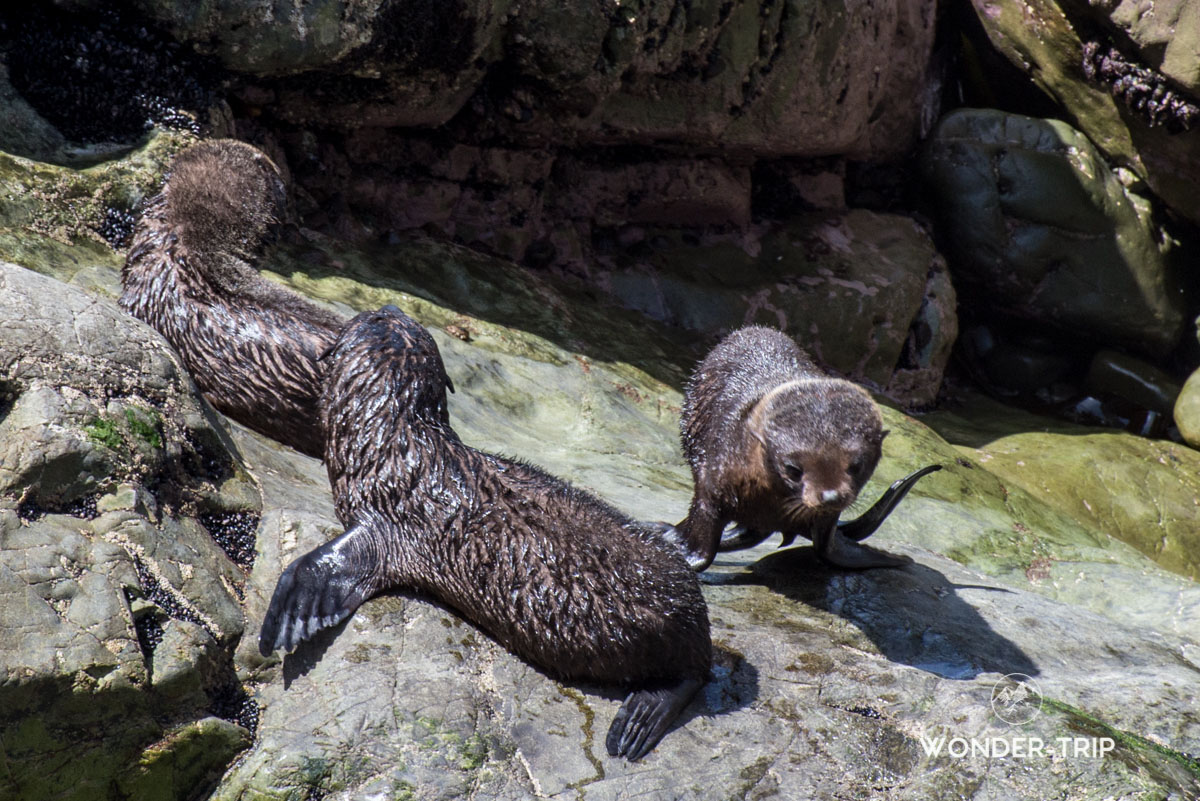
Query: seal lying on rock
column 251, row 346
column 775, row 444
column 553, row 574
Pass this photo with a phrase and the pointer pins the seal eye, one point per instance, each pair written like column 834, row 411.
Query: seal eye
column 793, row 472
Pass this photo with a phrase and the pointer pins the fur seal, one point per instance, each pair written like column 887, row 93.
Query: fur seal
column 251, row 346
column 775, row 444
column 552, row 573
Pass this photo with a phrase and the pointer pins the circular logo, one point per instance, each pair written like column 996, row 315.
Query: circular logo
column 1016, row 699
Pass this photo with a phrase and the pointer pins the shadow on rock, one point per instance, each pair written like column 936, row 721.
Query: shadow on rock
column 913, row 614
column 310, row 652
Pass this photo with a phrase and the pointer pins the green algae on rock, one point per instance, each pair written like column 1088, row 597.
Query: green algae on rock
column 1042, row 229
column 53, row 215
column 1140, row 491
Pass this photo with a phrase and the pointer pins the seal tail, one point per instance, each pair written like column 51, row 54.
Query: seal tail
column 320, row 589
column 645, row 717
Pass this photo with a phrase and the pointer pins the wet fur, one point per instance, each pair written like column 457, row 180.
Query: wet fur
column 551, row 572
column 755, row 405
column 251, row 346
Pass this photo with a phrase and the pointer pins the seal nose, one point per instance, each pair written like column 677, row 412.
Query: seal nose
column 830, row 496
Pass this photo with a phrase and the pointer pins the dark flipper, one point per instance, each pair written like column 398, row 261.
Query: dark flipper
column 697, row 535
column 740, row 537
column 862, row 527
column 837, row 550
column 645, row 717
column 318, row 590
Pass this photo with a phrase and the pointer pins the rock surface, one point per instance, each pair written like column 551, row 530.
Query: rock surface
column 824, row 680
column 1187, row 410
column 141, row 535
column 787, row 78
column 867, row 294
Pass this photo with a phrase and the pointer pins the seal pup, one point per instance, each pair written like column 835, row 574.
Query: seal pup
column 775, row 444
column 552, row 573
column 251, row 346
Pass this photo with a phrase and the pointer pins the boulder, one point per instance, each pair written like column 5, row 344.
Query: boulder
column 1041, row 229
column 783, row 79
column 1187, row 410
column 866, row 294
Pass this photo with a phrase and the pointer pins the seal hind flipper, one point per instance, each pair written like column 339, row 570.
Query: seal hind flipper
column 645, row 717
column 741, row 537
column 839, row 551
column 864, row 526
column 320, row 589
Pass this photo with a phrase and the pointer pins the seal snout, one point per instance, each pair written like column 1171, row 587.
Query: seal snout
column 830, row 497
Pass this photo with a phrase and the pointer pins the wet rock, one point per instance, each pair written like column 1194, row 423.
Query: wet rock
column 1049, row 233
column 777, row 79
column 1166, row 36
column 1141, row 384
column 55, row 213
column 27, row 133
column 694, row 192
column 1019, row 364
column 865, row 664
column 104, row 76
column 1056, row 42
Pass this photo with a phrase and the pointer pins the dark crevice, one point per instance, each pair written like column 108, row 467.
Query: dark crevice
column 101, row 77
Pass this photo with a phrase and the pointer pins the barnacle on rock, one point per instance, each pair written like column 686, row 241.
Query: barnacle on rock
column 1147, row 92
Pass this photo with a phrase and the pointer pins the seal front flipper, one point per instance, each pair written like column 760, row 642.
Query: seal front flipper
column 645, row 717
column 837, row 550
column 864, row 526
column 701, row 532
column 320, row 589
